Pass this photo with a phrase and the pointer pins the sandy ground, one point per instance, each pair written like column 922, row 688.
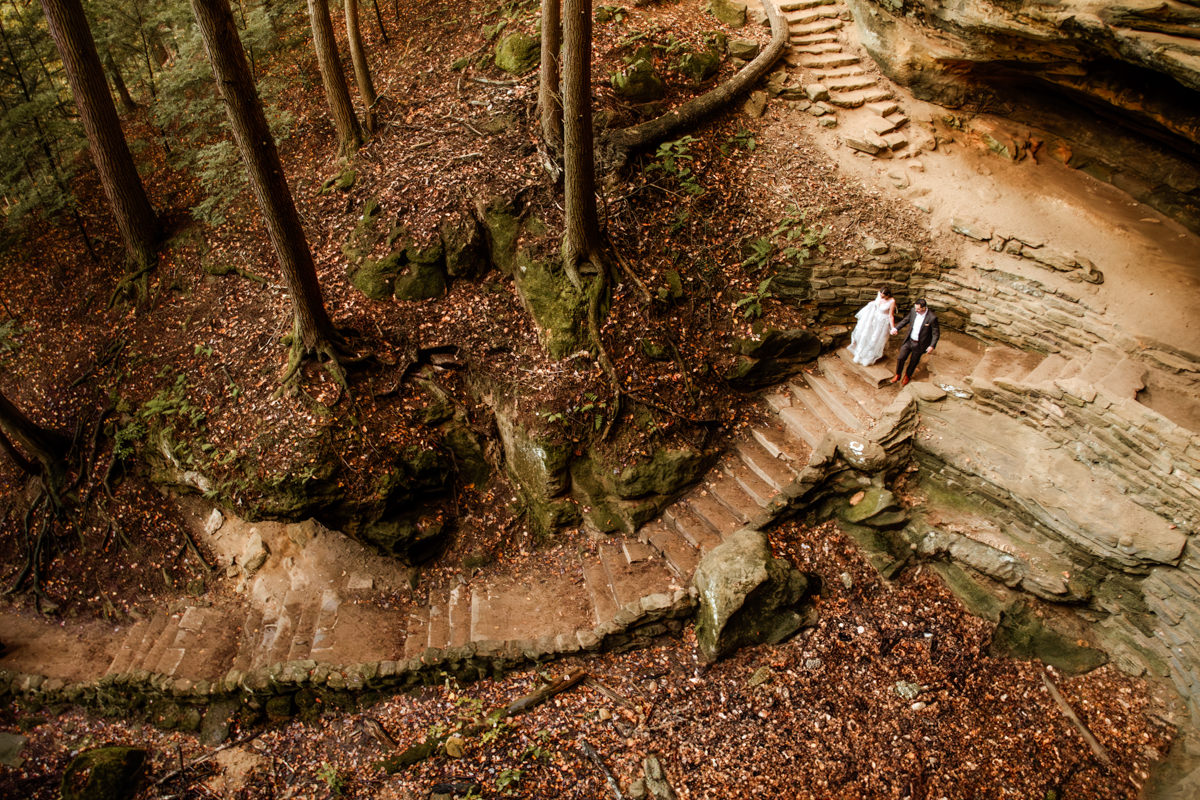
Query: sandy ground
column 1151, row 264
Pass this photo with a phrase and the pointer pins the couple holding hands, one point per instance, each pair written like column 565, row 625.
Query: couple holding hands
column 876, row 321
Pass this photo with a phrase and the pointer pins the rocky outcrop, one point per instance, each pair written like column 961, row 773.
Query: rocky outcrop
column 1059, row 66
column 747, row 596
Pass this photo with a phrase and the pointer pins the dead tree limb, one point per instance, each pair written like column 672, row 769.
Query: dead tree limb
column 1097, row 748
column 626, row 140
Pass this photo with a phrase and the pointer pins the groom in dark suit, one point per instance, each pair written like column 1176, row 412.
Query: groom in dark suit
column 921, row 340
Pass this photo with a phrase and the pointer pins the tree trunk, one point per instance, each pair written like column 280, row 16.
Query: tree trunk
column 350, row 136
column 114, row 75
column 582, row 229
column 313, row 328
column 379, row 19
column 550, row 88
column 687, row 115
column 47, row 447
column 362, row 73
column 135, row 218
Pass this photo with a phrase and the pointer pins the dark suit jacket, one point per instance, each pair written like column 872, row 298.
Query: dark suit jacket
column 927, row 337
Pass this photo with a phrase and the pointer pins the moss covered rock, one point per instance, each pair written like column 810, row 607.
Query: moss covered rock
column 502, row 227
column 639, row 83
column 558, row 308
column 104, row 773
column 1021, row 633
column 376, row 278
column 464, row 248
column 747, row 596
column 518, row 53
column 665, row 472
column 699, row 66
column 418, row 281
column 731, row 12
column 774, row 357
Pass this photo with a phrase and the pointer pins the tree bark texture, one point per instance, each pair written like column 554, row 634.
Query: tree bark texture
column 687, row 115
column 118, row 175
column 358, row 56
column 579, row 181
column 337, row 93
column 257, row 147
column 46, row 446
column 550, row 84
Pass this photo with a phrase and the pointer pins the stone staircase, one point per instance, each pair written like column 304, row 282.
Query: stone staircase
column 623, row 583
column 839, row 82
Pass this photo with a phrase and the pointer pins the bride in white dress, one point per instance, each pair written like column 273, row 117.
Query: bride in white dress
column 876, row 321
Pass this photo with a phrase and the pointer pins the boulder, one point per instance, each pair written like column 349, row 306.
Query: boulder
column 731, row 12
column 104, row 773
column 639, row 83
column 666, row 471
column 777, row 355
column 745, row 49
column 518, row 53
column 699, row 66
column 557, row 307
column 874, row 502
column 755, row 105
column 747, row 596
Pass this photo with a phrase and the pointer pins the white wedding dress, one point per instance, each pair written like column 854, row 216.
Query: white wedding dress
column 871, row 333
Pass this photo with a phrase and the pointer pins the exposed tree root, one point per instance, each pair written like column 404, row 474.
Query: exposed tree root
column 332, row 353
column 134, row 287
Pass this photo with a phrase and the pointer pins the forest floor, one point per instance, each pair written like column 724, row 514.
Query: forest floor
column 823, row 716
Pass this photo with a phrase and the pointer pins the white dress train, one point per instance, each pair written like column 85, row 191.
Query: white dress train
column 871, row 333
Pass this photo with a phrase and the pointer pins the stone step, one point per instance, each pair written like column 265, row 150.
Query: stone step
column 1099, row 364
column 459, row 615
column 288, row 629
column 327, row 615
column 783, row 446
column 726, row 491
column 758, row 490
column 248, row 639
column 881, row 126
column 1046, row 371
column 188, row 639
column 844, row 405
column 830, row 61
column 804, row 424
column 631, row 582
column 850, row 84
column 815, row 14
column 1004, row 362
column 801, row 5
column 416, row 637
column 812, row 402
column 859, row 97
column 166, row 639
column 813, row 38
column 439, row 623
column 693, row 527
column 133, row 643
column 705, row 505
column 883, row 109
column 637, row 551
column 775, row 472
column 680, row 555
column 817, row 49
column 207, row 643
column 1125, row 379
column 820, row 26
column 595, row 577
column 302, row 639
column 841, row 72
column 877, row 374
column 895, row 140
column 856, row 383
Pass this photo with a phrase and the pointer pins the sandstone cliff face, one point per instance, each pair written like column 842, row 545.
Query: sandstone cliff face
column 1134, row 65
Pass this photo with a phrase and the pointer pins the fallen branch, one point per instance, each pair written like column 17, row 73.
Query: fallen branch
column 487, row 82
column 1097, row 748
column 201, row 759
column 536, row 698
column 612, row 782
column 626, row 140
